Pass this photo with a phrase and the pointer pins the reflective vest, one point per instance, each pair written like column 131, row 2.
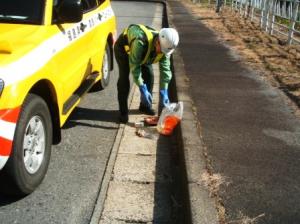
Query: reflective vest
column 149, row 35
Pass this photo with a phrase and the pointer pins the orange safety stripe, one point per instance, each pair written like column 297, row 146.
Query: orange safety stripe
column 10, row 115
column 5, row 146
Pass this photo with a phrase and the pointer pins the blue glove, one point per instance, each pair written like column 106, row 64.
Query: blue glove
column 146, row 97
column 164, row 97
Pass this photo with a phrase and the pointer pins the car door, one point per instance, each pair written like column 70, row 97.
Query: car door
column 73, row 61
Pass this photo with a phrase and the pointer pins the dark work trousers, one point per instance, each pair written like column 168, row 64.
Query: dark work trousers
column 123, row 84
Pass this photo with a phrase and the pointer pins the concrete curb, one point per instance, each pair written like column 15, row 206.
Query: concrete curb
column 103, row 188
column 202, row 207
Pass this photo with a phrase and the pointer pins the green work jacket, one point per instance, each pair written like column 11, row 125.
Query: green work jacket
column 138, row 48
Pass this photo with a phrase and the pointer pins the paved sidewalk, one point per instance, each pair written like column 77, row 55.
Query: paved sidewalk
column 139, row 190
column 235, row 125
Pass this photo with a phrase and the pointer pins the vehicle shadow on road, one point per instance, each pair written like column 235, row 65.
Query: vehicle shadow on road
column 83, row 117
column 6, row 197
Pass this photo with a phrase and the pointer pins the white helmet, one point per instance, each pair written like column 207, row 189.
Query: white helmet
column 168, row 39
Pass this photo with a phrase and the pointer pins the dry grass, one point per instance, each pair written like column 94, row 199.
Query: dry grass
column 243, row 219
column 274, row 61
column 213, row 182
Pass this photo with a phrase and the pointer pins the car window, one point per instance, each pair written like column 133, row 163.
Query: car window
column 87, row 5
column 21, row 11
column 101, row 1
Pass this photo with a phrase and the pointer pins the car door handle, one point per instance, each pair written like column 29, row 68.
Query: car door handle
column 82, row 27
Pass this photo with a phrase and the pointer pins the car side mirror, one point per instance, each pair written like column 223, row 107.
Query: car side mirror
column 69, row 11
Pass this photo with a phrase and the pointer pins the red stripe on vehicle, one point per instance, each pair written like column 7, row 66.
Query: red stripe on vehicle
column 10, row 115
column 5, row 146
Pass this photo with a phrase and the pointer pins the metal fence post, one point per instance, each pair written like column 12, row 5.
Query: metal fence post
column 241, row 7
column 263, row 14
column 249, row 8
column 266, row 15
column 272, row 16
column 252, row 9
column 293, row 21
column 246, row 8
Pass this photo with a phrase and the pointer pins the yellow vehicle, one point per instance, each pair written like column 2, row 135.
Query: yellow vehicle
column 51, row 53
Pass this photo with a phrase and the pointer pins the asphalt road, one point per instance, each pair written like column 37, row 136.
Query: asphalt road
column 70, row 189
column 250, row 133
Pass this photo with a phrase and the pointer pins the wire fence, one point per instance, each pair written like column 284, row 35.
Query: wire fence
column 277, row 17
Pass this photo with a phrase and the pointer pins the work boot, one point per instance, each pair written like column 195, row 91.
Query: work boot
column 146, row 110
column 123, row 118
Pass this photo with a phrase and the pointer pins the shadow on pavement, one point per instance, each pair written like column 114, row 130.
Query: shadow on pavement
column 170, row 190
column 6, row 197
column 81, row 114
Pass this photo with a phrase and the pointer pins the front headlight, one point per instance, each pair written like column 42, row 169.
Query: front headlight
column 1, row 86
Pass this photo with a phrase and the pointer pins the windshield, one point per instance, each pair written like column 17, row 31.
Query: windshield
column 22, row 11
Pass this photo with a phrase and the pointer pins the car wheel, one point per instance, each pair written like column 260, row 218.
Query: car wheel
column 31, row 150
column 106, row 65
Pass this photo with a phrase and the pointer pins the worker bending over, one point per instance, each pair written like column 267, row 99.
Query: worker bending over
column 136, row 49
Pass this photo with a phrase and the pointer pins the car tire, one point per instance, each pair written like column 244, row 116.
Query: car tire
column 31, row 150
column 105, row 69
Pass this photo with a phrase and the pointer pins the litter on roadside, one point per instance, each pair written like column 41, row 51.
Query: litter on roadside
column 165, row 124
column 169, row 118
column 139, row 124
column 148, row 121
column 146, row 133
column 151, row 121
